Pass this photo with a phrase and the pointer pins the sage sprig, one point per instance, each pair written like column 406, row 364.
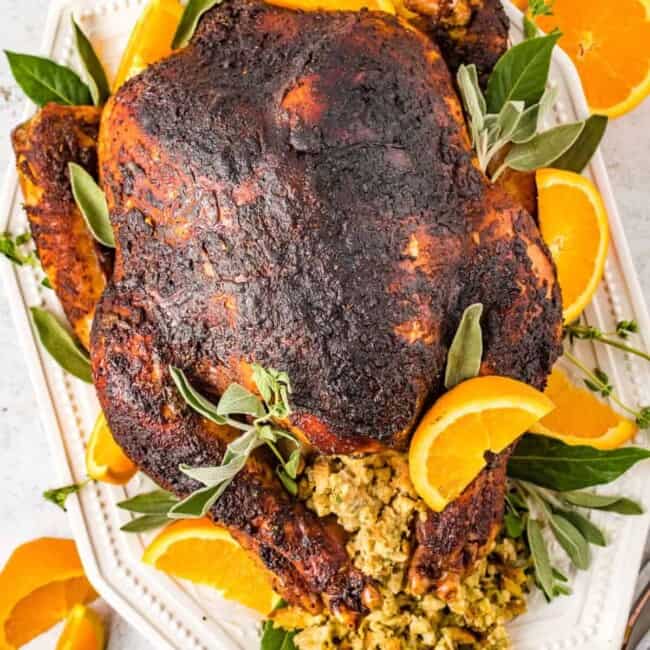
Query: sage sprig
column 530, row 508
column 193, row 12
column 274, row 387
column 91, row 202
column 11, row 247
column 509, row 117
column 153, row 507
column 535, row 8
column 60, row 344
column 45, row 81
column 95, row 75
column 466, row 350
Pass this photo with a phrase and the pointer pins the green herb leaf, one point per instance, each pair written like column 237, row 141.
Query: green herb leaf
column 45, row 282
column 275, row 638
column 509, row 118
column 236, row 400
column 198, row 503
column 194, row 10
column 578, row 155
column 553, row 464
column 289, row 484
column 571, row 540
column 10, row 248
column 466, row 350
column 539, row 555
column 59, row 496
column 145, row 523
column 521, row 73
column 620, row 505
column 532, row 117
column 44, row 81
column 473, row 100
column 157, row 502
column 544, row 148
column 60, row 344
column 291, row 466
column 514, row 525
column 91, row 202
column 95, row 75
column 588, row 529
column 193, row 398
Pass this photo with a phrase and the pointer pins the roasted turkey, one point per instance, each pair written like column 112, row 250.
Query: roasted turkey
column 298, row 190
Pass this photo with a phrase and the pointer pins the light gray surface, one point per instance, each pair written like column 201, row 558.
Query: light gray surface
column 26, row 469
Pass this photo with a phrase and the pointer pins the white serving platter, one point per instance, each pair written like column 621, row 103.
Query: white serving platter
column 177, row 615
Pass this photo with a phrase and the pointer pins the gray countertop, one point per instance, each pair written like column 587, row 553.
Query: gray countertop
column 26, row 469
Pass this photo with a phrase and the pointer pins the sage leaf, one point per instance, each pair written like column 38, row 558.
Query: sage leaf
column 521, row 73
column 95, row 75
column 553, row 464
column 213, row 476
column 539, row 554
column 587, row 528
column 45, row 81
column 289, row 484
column 544, row 148
column 508, row 119
column 91, row 202
column 577, row 157
column 198, row 503
column 59, row 496
column 60, row 344
column 571, row 540
column 466, row 351
column 473, row 100
column 620, row 505
column 157, row 502
column 236, row 400
column 45, row 282
column 514, row 525
column 291, row 466
column 145, row 523
column 193, row 398
column 532, row 118
column 275, row 638
column 193, row 12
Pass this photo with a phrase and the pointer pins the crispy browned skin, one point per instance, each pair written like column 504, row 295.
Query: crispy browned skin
column 298, row 190
column 75, row 265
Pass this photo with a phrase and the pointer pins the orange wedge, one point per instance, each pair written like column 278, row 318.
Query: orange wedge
column 204, row 553
column 574, row 225
column 336, row 5
column 41, row 582
column 105, row 460
column 151, row 38
column 83, row 630
column 580, row 418
column 609, row 42
column 448, row 448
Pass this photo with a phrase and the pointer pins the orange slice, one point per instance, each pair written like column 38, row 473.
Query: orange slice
column 204, row 553
column 448, row 448
column 83, row 630
column 105, row 460
column 574, row 225
column 609, row 42
column 336, row 5
column 41, row 582
column 151, row 38
column 580, row 418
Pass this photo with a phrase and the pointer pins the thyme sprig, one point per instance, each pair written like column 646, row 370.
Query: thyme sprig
column 624, row 328
column 598, row 381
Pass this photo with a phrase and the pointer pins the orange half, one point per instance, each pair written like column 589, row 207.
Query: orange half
column 41, row 582
column 202, row 552
column 105, row 460
column 151, row 38
column 83, row 630
column 448, row 449
column 574, row 224
column 609, row 42
column 580, row 418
